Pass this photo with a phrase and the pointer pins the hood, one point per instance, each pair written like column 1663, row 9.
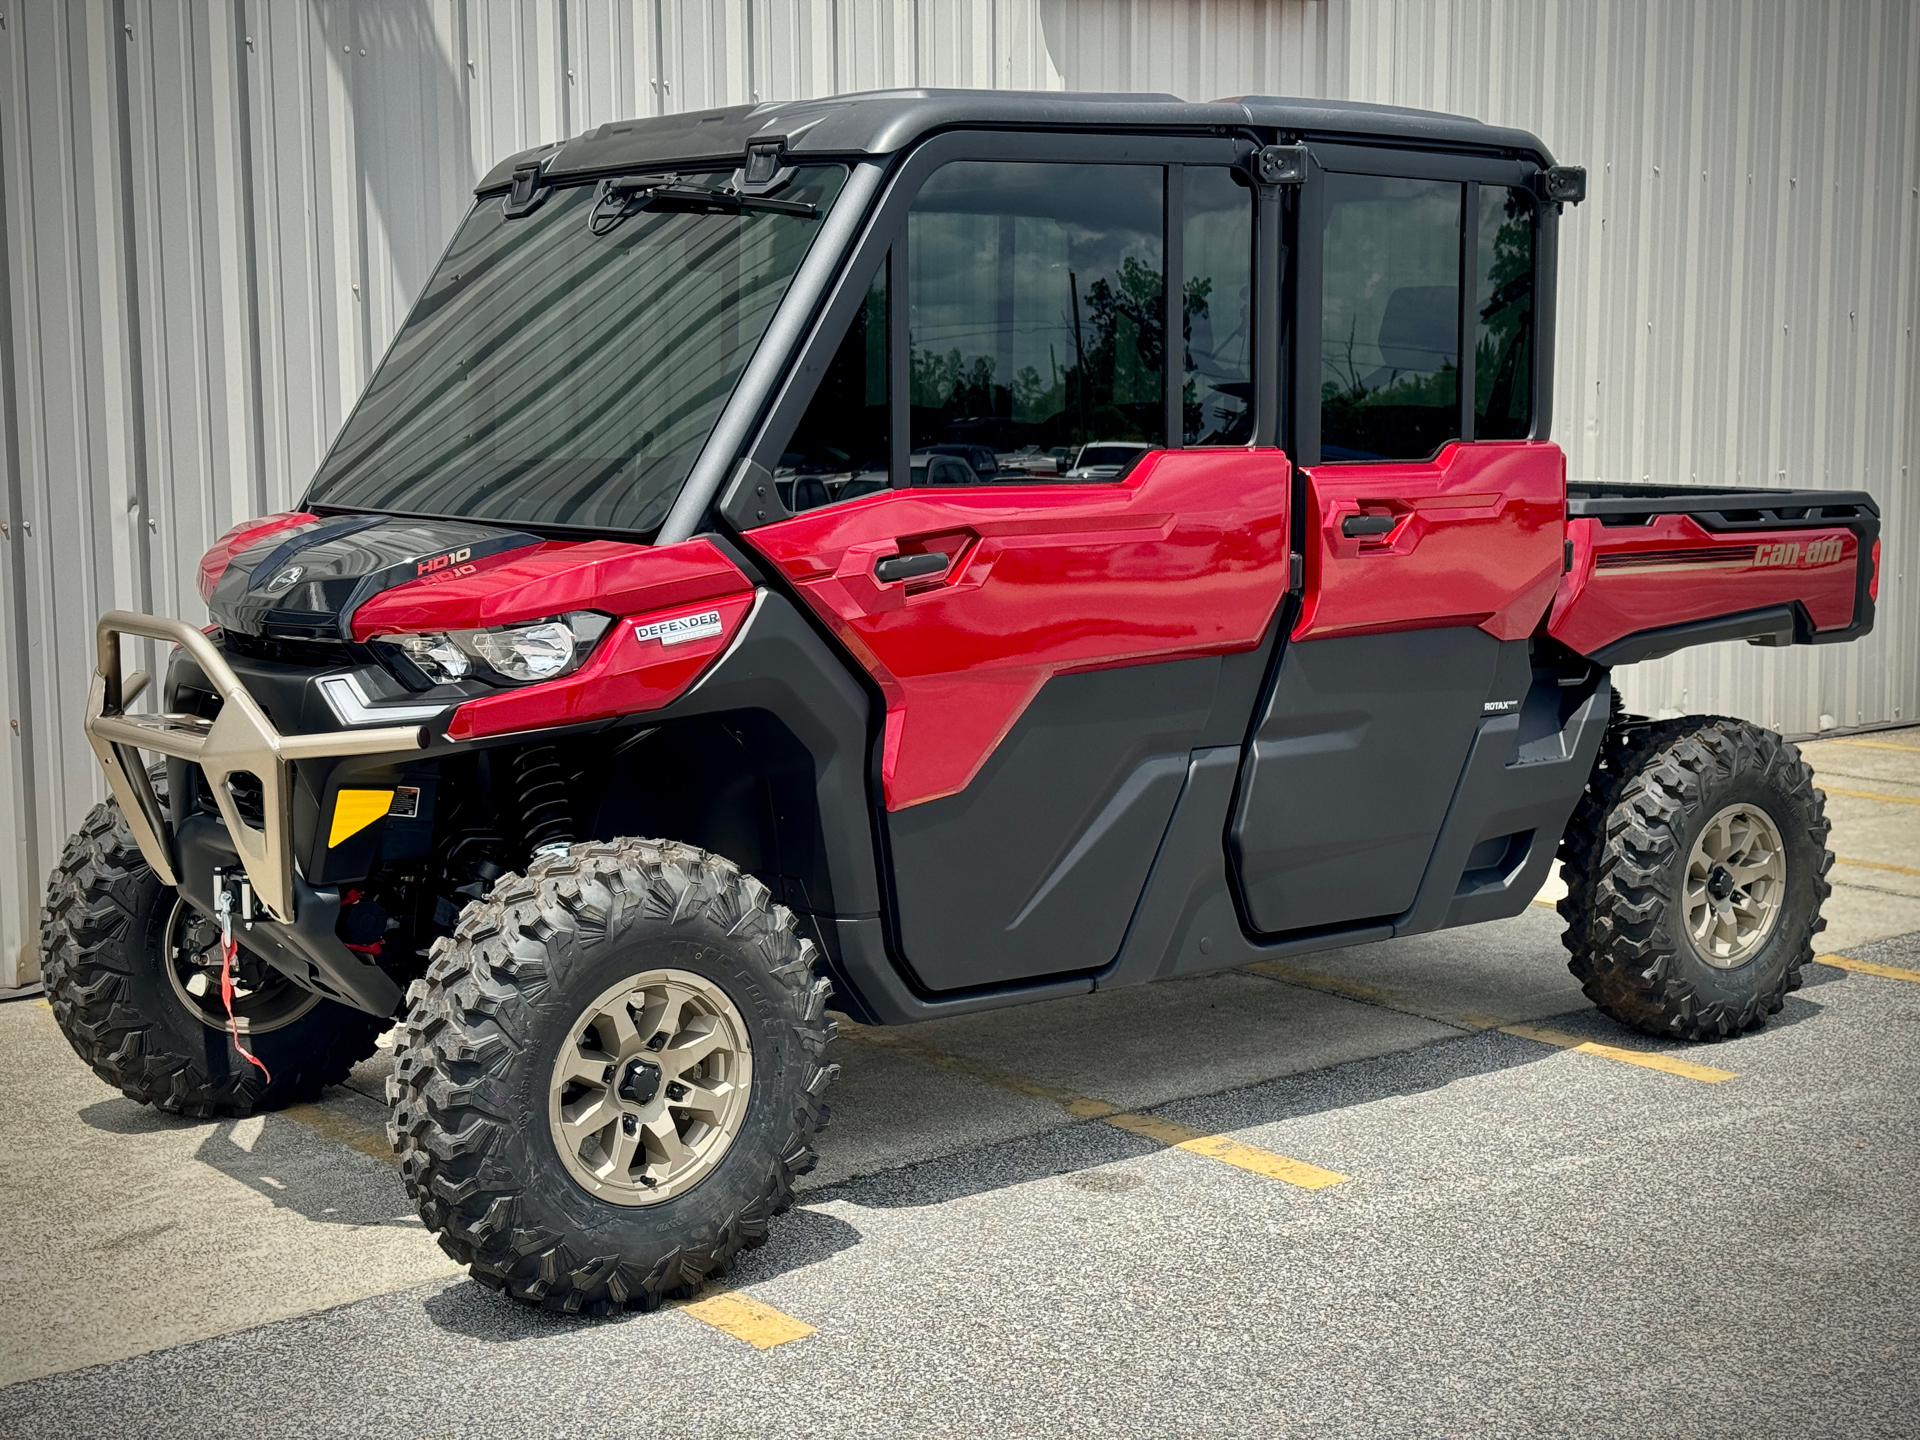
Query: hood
column 305, row 582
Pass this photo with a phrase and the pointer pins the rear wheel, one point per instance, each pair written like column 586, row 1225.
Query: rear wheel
column 133, row 975
column 611, row 1075
column 1696, row 867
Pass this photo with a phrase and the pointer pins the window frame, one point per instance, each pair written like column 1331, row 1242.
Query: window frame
column 1302, row 428
column 883, row 242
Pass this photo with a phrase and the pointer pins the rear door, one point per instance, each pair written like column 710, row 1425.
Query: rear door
column 1049, row 651
column 1432, row 527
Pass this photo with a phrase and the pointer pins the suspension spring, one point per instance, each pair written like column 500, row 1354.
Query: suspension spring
column 540, row 785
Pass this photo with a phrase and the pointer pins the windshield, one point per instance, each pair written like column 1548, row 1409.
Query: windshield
column 553, row 375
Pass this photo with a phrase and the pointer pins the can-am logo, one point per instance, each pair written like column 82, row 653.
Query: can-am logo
column 440, row 562
column 284, row 581
column 1792, row 552
column 681, row 628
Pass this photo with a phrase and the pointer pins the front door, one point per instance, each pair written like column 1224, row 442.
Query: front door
column 1050, row 647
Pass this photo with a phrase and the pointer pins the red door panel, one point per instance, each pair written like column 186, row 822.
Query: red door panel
column 1474, row 540
column 1186, row 556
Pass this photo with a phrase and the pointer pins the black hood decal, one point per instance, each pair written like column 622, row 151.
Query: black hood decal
column 306, row 584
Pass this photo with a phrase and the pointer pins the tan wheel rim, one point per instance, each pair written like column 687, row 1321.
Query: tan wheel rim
column 1736, row 884
column 650, row 1087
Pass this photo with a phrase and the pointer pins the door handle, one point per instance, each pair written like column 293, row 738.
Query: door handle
column 910, row 567
column 1356, row 525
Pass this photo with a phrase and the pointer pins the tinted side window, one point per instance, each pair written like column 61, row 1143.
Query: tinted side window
column 1390, row 318
column 1216, row 246
column 1036, row 311
column 839, row 449
column 1503, row 346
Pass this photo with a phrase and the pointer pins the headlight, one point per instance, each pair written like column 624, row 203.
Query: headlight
column 511, row 654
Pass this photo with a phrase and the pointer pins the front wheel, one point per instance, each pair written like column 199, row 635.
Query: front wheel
column 1696, row 867
column 611, row 1075
column 132, row 973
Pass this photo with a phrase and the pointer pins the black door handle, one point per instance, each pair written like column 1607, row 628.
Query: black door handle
column 909, row 567
column 1356, row 525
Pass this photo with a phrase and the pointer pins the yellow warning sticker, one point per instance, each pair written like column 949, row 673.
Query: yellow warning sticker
column 354, row 810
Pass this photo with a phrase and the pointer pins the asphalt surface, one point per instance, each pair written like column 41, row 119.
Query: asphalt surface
column 1530, row 1239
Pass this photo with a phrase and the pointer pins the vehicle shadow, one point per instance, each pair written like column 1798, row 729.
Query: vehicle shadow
column 1077, row 1146
column 298, row 1168
column 799, row 1238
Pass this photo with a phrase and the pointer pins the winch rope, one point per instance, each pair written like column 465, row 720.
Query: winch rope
column 229, row 949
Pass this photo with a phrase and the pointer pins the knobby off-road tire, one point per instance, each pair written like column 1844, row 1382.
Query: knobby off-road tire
column 1626, row 856
column 525, row 968
column 103, row 942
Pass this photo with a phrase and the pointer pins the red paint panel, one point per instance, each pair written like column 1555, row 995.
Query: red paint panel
column 1186, row 556
column 625, row 675
column 1476, row 540
column 551, row 579
column 243, row 536
column 1627, row 578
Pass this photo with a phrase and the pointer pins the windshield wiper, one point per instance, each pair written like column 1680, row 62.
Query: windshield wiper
column 615, row 200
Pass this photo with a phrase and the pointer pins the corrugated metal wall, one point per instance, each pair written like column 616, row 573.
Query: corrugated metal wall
column 214, row 214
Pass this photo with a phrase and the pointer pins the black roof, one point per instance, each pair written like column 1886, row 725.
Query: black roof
column 880, row 122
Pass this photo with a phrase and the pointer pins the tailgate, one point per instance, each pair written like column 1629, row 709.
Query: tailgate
column 1652, row 569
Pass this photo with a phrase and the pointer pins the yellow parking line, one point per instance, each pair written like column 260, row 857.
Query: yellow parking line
column 1872, row 795
column 1083, row 1107
column 1875, row 745
column 745, row 1318
column 1867, row 967
column 1877, row 865
column 1648, row 1058
column 1087, row 1107
column 344, row 1130
column 1229, row 1150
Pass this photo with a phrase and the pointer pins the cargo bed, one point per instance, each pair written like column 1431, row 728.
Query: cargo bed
column 1652, row 569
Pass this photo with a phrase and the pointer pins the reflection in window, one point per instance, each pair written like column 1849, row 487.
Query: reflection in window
column 1037, row 315
column 839, row 448
column 1390, row 318
column 1503, row 346
column 1216, row 244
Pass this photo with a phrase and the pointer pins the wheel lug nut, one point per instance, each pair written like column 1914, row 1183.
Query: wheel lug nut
column 629, row 1124
column 658, row 1042
column 676, row 1091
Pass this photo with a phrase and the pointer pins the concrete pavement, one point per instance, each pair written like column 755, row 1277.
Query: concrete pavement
column 1530, row 1239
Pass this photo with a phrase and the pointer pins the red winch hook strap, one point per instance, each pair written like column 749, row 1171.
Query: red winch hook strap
column 229, row 948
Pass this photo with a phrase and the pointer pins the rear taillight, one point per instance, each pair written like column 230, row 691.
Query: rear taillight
column 1873, row 584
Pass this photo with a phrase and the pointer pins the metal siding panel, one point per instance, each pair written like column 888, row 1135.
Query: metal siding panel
column 1745, row 316
column 1715, row 329
column 20, row 871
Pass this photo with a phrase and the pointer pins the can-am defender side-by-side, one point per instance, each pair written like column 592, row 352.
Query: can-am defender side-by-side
column 651, row 659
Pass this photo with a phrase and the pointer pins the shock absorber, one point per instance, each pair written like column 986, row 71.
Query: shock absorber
column 540, row 786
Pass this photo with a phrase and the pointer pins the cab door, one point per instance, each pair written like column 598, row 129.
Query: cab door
column 1432, row 527
column 1049, row 651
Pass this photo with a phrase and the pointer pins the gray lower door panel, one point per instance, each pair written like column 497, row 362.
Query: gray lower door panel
column 1348, row 777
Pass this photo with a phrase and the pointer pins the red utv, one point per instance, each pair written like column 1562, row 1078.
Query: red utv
column 564, row 725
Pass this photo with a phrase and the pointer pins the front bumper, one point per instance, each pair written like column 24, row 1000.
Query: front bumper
column 240, row 739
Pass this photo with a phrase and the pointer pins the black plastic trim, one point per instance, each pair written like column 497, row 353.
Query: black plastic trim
column 1772, row 626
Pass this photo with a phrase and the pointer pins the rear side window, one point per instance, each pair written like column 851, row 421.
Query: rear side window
column 1503, row 344
column 1037, row 308
column 1390, row 318
column 1216, row 248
